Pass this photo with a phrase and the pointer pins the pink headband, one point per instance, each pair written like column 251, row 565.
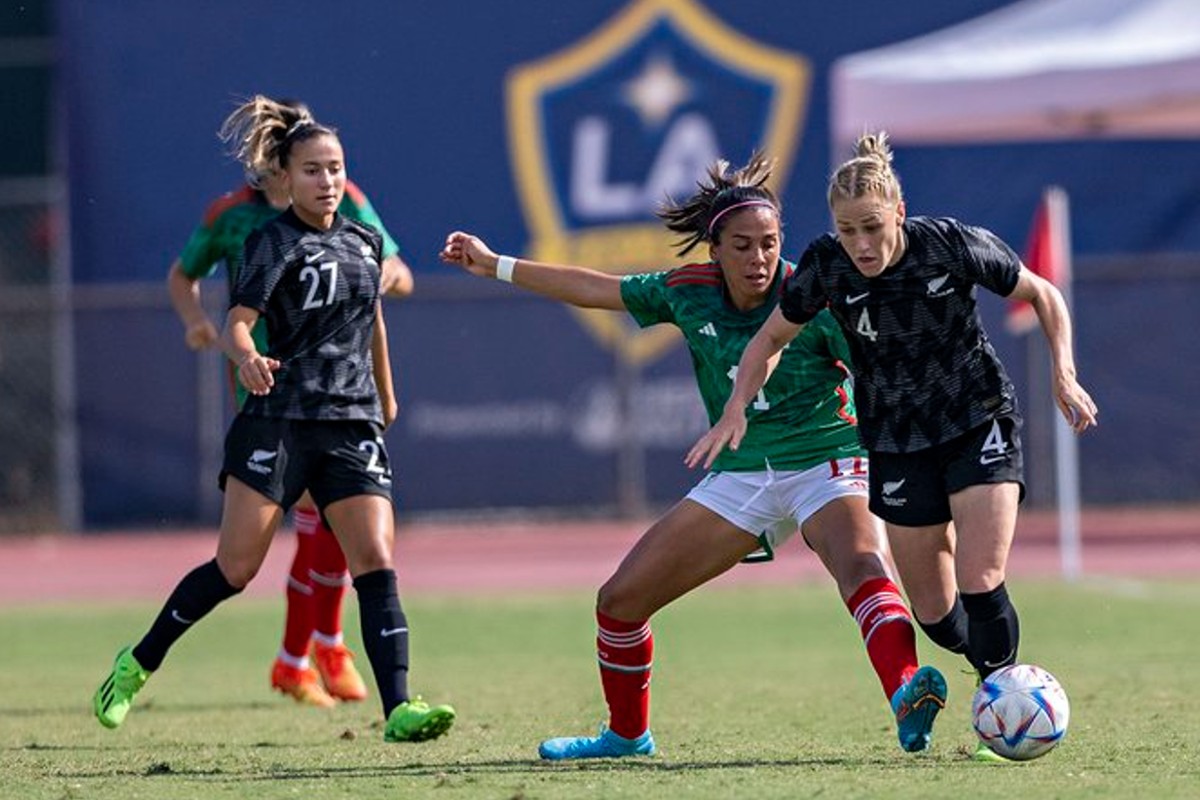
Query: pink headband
column 735, row 207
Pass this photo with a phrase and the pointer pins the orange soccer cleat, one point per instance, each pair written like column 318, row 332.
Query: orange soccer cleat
column 336, row 667
column 301, row 684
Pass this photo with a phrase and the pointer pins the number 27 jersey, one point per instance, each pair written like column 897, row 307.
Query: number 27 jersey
column 803, row 416
column 317, row 291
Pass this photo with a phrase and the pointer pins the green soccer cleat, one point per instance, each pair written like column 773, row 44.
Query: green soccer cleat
column 416, row 721
column 987, row 755
column 916, row 705
column 114, row 697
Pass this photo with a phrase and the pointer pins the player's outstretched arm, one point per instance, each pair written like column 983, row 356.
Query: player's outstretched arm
column 758, row 360
column 579, row 286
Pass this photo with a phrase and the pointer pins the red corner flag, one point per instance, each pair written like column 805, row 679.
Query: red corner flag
column 1047, row 253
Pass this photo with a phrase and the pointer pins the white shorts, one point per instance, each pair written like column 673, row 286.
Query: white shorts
column 773, row 505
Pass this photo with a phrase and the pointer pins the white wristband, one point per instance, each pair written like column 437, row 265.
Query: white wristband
column 504, row 268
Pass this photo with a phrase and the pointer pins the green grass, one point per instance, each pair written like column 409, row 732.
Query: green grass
column 758, row 693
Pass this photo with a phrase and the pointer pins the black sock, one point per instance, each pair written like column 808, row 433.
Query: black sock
column 200, row 591
column 993, row 630
column 384, row 634
column 949, row 632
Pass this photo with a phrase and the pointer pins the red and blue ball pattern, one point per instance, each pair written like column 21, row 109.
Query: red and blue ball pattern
column 1021, row 712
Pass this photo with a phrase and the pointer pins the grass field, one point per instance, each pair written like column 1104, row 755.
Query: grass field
column 759, row 692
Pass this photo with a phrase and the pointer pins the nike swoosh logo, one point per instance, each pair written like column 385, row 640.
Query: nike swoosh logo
column 991, row 459
column 1000, row 663
column 852, row 300
column 386, row 632
column 314, row 257
column 175, row 616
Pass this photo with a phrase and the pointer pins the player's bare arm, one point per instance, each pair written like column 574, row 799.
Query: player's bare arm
column 254, row 370
column 1072, row 399
column 382, row 366
column 199, row 331
column 395, row 279
column 579, row 286
column 758, row 360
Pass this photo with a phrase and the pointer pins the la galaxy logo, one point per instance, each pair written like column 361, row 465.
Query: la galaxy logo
column 600, row 133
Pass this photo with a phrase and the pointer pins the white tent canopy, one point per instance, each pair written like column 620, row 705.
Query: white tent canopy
column 1035, row 70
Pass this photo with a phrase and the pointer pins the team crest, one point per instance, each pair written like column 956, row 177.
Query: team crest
column 600, row 133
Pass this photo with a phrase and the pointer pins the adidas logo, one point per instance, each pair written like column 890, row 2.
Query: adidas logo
column 708, row 330
column 255, row 462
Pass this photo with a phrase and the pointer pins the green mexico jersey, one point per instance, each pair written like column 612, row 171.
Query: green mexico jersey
column 805, row 413
column 233, row 217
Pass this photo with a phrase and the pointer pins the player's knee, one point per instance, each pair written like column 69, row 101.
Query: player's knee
column 617, row 600
column 238, row 572
column 369, row 560
column 858, row 568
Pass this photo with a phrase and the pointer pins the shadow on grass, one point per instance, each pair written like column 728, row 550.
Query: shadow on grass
column 35, row 712
column 495, row 767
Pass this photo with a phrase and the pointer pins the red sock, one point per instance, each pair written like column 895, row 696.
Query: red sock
column 329, row 579
column 887, row 631
column 298, row 623
column 625, row 651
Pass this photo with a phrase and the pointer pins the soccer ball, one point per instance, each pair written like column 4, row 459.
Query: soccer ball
column 1020, row 712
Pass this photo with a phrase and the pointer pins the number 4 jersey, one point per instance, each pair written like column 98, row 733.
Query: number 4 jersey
column 803, row 416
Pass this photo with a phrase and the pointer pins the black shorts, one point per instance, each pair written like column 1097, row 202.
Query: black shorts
column 914, row 489
column 280, row 458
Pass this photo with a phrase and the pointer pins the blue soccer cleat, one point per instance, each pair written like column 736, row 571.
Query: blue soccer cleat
column 606, row 745
column 916, row 705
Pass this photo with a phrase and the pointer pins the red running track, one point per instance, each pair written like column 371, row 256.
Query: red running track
column 539, row 556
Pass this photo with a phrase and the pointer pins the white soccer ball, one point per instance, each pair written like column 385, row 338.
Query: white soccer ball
column 1021, row 712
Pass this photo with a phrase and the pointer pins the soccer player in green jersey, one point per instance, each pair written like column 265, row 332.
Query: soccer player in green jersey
column 317, row 579
column 801, row 465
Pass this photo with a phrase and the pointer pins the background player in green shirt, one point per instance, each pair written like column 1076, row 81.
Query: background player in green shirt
column 800, row 465
column 317, row 580
column 319, row 401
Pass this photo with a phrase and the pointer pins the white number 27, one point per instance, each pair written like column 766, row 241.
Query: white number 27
column 310, row 275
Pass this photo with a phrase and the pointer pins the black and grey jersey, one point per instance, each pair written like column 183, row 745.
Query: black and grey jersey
column 317, row 291
column 924, row 369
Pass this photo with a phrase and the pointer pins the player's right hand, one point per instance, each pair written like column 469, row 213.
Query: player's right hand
column 201, row 335
column 471, row 253
column 728, row 432
column 257, row 373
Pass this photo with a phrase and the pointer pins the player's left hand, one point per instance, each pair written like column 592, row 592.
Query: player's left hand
column 391, row 410
column 1076, row 405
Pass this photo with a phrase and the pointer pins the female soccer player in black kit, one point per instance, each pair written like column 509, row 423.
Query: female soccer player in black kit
column 936, row 410
column 319, row 400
